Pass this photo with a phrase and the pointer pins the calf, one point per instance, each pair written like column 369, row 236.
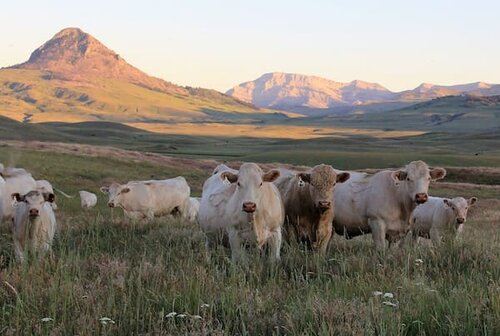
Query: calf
column 34, row 223
column 439, row 217
column 308, row 200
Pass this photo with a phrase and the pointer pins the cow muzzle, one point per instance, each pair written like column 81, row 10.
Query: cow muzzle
column 324, row 205
column 34, row 212
column 460, row 220
column 111, row 204
column 421, row 198
column 249, row 207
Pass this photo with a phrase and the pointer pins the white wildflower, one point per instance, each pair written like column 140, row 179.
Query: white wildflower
column 197, row 317
column 390, row 304
column 205, row 305
column 181, row 315
column 388, row 296
column 377, row 293
column 419, row 261
column 171, row 314
column 47, row 319
column 106, row 320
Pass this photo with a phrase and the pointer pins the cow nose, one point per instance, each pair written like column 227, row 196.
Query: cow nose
column 324, row 204
column 111, row 204
column 249, row 207
column 33, row 212
column 421, row 198
column 460, row 220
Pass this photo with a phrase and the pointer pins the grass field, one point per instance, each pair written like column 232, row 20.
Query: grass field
column 137, row 275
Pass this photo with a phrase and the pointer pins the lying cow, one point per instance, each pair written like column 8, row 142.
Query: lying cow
column 87, row 199
column 149, row 199
column 382, row 203
column 245, row 206
column 308, row 200
column 193, row 206
column 440, row 217
column 13, row 180
column 34, row 223
column 44, row 186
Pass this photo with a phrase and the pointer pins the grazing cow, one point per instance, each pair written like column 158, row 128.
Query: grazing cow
column 149, row 199
column 383, row 202
column 87, row 199
column 193, row 206
column 34, row 223
column 44, row 186
column 308, row 200
column 14, row 180
column 440, row 217
column 245, row 206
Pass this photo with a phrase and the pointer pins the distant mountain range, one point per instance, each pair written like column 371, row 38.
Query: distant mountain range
column 74, row 77
column 295, row 92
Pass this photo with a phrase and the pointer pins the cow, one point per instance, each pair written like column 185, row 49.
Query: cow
column 149, row 199
column 308, row 200
column 34, row 223
column 14, row 180
column 44, row 186
column 382, row 203
column 245, row 206
column 439, row 217
column 87, row 199
column 192, row 208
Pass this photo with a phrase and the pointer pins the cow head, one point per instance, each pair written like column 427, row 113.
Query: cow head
column 322, row 180
column 249, row 182
column 459, row 206
column 34, row 201
column 115, row 194
column 415, row 178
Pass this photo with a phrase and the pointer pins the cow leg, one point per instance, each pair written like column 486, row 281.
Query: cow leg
column 323, row 236
column 435, row 237
column 18, row 250
column 236, row 245
column 275, row 245
column 378, row 229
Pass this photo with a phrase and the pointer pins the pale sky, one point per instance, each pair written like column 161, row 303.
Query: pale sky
column 218, row 44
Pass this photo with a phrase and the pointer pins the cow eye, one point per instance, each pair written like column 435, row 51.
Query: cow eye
column 408, row 179
column 239, row 185
column 260, row 184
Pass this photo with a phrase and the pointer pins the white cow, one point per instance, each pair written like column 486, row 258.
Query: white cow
column 382, row 203
column 44, row 186
column 439, row 217
column 244, row 206
column 14, row 180
column 87, row 199
column 193, row 206
column 34, row 223
column 149, row 199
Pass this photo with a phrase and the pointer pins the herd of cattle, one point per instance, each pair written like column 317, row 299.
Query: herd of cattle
column 250, row 207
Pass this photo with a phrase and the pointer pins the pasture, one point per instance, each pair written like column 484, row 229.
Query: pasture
column 111, row 277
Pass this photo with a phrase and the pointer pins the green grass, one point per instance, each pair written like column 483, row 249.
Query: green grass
column 136, row 274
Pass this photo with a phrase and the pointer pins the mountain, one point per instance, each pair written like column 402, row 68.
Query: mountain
column 74, row 77
column 295, row 92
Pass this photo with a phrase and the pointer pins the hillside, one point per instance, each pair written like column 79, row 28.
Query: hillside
column 74, row 77
column 306, row 94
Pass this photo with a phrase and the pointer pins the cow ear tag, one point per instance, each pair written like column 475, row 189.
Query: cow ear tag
column 301, row 183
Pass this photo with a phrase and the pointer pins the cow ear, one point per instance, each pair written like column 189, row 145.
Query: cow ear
column 342, row 177
column 399, row 175
column 17, row 197
column 472, row 200
column 49, row 197
column 447, row 202
column 271, row 175
column 437, row 173
column 125, row 190
column 229, row 176
column 306, row 177
column 104, row 190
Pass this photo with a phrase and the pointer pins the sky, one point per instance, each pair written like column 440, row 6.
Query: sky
column 218, row 44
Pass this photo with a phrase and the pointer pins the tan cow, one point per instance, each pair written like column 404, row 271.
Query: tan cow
column 13, row 180
column 308, row 200
column 244, row 206
column 382, row 203
column 34, row 223
column 439, row 217
column 149, row 199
